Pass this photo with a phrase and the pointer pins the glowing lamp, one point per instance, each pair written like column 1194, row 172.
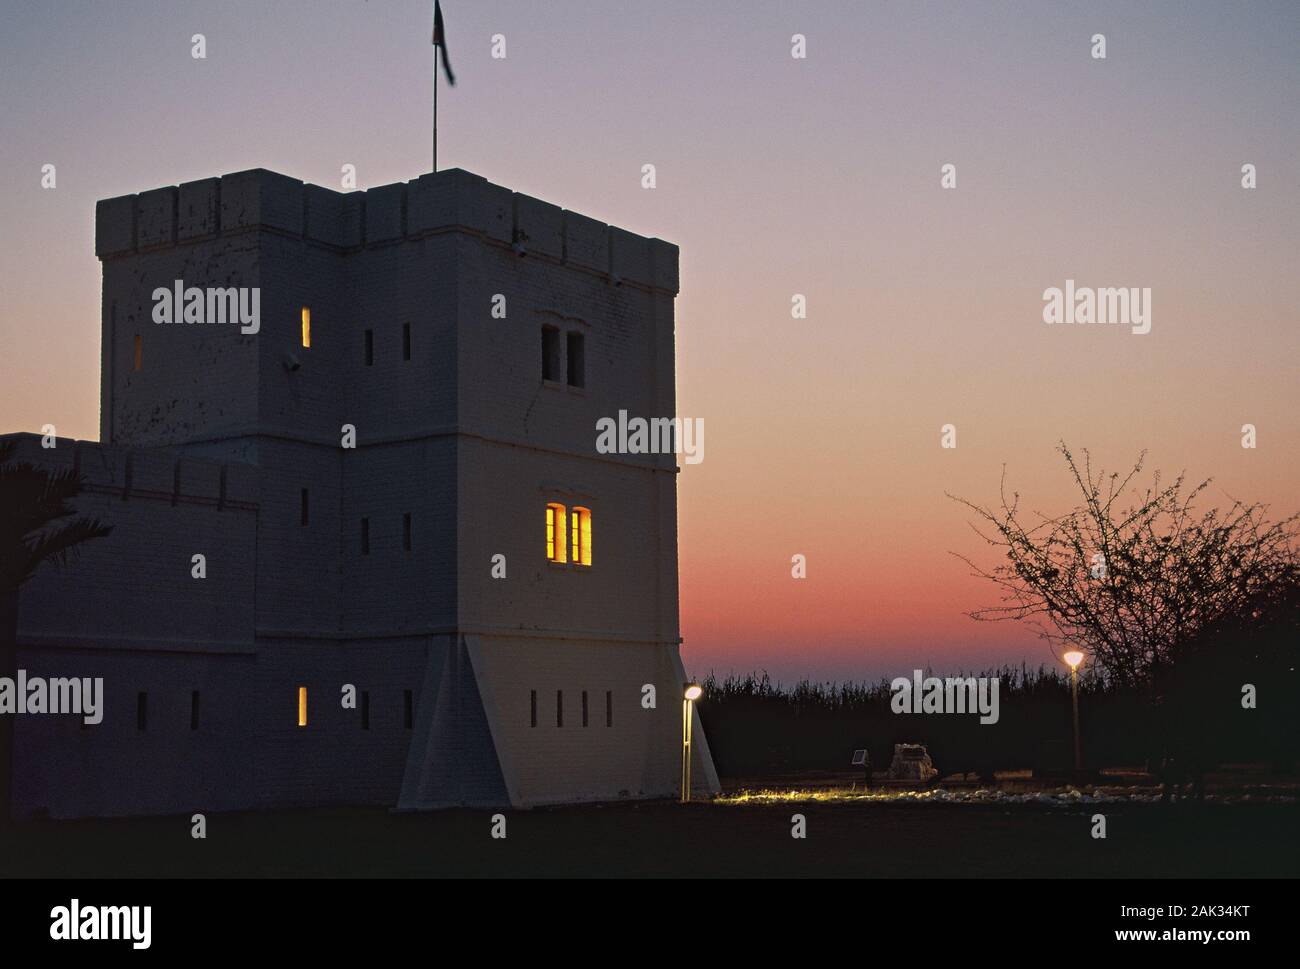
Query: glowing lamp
column 1074, row 658
column 690, row 693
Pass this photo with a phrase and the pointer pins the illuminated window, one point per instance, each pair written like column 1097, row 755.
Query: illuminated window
column 306, row 327
column 302, row 706
column 555, row 533
column 139, row 353
column 580, row 536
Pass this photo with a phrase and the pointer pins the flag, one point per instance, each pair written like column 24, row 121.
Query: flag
column 440, row 40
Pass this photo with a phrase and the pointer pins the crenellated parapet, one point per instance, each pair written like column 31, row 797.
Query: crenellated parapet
column 448, row 201
column 153, row 473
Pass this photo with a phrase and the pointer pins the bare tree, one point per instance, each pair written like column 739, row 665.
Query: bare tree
column 1132, row 574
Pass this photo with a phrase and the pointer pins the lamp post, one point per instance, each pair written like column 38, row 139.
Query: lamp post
column 691, row 693
column 1074, row 658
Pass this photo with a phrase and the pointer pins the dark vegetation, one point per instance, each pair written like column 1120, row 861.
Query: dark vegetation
column 1189, row 619
column 38, row 524
column 755, row 726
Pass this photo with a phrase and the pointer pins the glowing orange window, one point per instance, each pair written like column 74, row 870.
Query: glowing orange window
column 555, row 533
column 580, row 541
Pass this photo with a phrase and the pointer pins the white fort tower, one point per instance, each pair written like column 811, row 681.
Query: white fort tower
column 378, row 566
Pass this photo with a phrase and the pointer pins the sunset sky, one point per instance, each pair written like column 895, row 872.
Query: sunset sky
column 776, row 176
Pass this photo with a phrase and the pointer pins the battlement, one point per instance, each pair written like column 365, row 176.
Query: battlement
column 144, row 472
column 448, row 201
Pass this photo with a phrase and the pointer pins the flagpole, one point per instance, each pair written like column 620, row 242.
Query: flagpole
column 435, row 109
column 439, row 45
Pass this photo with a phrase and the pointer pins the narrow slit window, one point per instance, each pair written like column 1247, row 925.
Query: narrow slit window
column 365, row 709
column 580, row 536
column 577, row 361
column 532, row 705
column 406, row 531
column 194, row 709
column 305, row 515
column 406, row 341
column 370, row 348
column 584, row 708
column 609, row 708
column 559, row 708
column 365, row 536
column 138, row 365
column 141, row 711
column 556, row 533
column 408, row 714
column 306, row 328
column 551, row 353
column 302, row 706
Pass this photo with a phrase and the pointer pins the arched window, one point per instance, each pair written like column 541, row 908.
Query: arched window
column 555, row 533
column 580, row 541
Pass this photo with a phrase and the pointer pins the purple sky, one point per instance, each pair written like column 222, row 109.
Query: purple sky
column 776, row 176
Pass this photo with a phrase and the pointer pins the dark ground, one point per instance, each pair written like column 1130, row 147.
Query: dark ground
column 877, row 839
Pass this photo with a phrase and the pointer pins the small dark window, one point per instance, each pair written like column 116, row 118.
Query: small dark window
column 408, row 699
column 194, row 710
column 365, row 536
column 550, row 353
column 141, row 711
column 406, row 341
column 370, row 348
column 584, row 708
column 559, row 708
column 609, row 708
column 532, row 702
column 305, row 516
column 406, row 531
column 577, row 361
column 365, row 709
